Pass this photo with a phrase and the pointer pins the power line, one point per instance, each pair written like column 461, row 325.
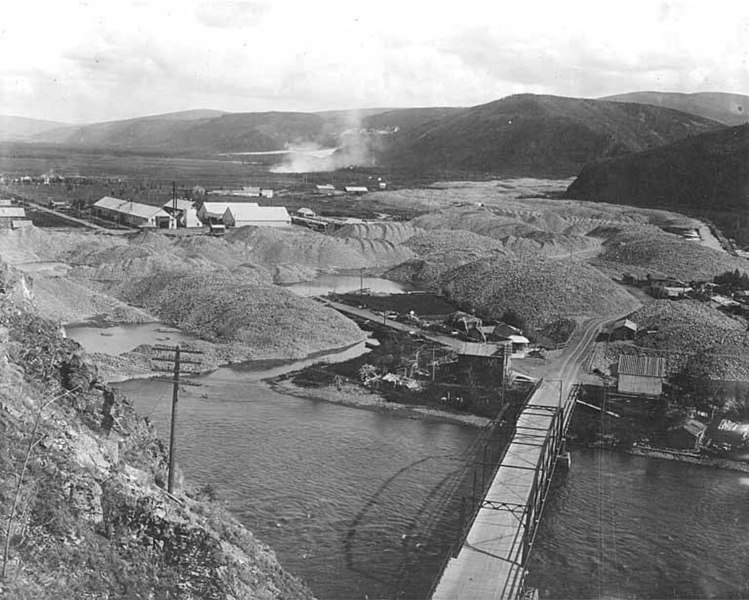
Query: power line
column 175, row 358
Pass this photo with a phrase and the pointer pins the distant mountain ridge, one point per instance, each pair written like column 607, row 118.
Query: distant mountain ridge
column 729, row 109
column 534, row 135
column 519, row 135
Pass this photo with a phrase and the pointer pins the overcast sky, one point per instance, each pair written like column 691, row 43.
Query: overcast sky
column 96, row 60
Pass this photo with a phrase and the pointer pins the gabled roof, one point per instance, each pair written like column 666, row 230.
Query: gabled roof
column 503, row 330
column 477, row 349
column 356, row 188
column 643, row 366
column 12, row 212
column 217, row 209
column 249, row 212
column 694, row 427
column 182, row 204
column 626, row 324
column 325, row 186
column 128, row 207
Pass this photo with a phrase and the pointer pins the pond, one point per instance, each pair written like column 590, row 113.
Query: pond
column 123, row 338
column 341, row 283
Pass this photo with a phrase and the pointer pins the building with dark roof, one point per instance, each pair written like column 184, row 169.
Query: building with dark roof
column 641, row 375
column 624, row 330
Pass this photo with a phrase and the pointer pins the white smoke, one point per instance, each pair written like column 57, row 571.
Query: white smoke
column 353, row 150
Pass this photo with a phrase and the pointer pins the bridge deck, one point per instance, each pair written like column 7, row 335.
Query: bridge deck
column 489, row 563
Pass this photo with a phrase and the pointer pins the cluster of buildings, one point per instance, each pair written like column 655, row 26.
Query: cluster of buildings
column 722, row 297
column 186, row 213
column 328, row 189
column 12, row 217
column 245, row 192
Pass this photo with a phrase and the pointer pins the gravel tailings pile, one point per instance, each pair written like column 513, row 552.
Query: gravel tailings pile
column 239, row 308
column 297, row 254
column 692, row 327
column 649, row 249
column 391, row 232
column 541, row 291
column 439, row 251
column 523, row 233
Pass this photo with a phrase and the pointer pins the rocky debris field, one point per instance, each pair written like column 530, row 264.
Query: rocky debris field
column 491, row 246
column 228, row 307
column 539, row 291
column 691, row 335
column 716, row 344
column 646, row 248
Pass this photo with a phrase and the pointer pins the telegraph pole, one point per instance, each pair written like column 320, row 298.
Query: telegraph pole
column 178, row 362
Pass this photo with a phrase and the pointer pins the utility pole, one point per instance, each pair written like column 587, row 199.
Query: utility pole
column 176, row 371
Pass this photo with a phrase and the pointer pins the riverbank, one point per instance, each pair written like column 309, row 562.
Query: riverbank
column 702, row 460
column 352, row 395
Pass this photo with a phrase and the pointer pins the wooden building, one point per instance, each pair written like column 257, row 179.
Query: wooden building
column 133, row 214
column 641, row 375
column 624, row 330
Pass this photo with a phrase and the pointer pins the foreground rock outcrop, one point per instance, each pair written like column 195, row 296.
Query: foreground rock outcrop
column 85, row 513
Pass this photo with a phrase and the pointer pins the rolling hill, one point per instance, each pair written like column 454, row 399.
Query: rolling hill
column 196, row 132
column 518, row 135
column 729, row 109
column 706, row 174
column 530, row 135
column 17, row 128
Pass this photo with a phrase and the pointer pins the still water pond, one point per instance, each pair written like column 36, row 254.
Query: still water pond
column 123, row 338
column 343, row 283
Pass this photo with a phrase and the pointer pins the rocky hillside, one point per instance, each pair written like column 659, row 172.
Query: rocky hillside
column 705, row 174
column 85, row 513
column 529, row 135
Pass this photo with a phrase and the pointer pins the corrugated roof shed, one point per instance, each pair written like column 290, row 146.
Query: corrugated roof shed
column 645, row 366
column 641, row 375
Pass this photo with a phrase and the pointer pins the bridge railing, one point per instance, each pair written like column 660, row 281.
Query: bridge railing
column 506, row 436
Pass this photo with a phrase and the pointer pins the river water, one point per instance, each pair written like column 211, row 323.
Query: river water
column 332, row 489
column 620, row 526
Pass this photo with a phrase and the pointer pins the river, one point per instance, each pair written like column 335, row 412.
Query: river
column 620, row 526
column 332, row 489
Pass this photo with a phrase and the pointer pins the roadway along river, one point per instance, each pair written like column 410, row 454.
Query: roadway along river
column 332, row 489
column 620, row 526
